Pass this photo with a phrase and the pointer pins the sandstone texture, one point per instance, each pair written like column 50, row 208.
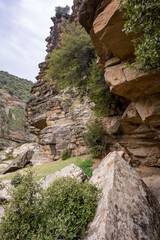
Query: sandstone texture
column 58, row 120
column 137, row 130
column 12, row 112
column 71, row 171
column 126, row 210
column 20, row 162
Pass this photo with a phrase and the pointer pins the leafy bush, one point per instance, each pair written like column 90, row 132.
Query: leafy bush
column 95, row 138
column 74, row 65
column 61, row 212
column 66, row 153
column 142, row 17
column 60, row 11
column 86, row 167
column 68, row 65
column 23, row 213
column 17, row 179
column 71, row 206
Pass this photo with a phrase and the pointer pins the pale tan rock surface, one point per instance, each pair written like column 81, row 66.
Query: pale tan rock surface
column 19, row 162
column 127, row 210
column 138, row 131
column 58, row 119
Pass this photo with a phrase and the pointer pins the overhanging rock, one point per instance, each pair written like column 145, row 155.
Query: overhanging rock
column 127, row 210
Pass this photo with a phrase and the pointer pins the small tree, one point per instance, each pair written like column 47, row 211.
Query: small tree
column 95, row 138
column 69, row 65
column 60, row 11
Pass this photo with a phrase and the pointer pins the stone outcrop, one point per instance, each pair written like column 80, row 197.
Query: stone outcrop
column 71, row 171
column 137, row 130
column 20, row 162
column 58, row 119
column 12, row 111
column 126, row 209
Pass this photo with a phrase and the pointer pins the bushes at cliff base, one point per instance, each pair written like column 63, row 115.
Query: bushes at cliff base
column 61, row 212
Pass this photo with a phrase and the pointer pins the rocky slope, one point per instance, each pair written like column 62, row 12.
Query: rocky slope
column 57, row 119
column 14, row 92
column 137, row 130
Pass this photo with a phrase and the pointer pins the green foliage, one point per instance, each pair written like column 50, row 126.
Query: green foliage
column 142, row 18
column 95, row 138
column 23, row 213
column 71, row 206
column 61, row 212
column 17, row 179
column 68, row 65
column 16, row 118
column 15, row 86
column 66, row 153
column 60, row 11
column 74, row 65
column 86, row 167
column 106, row 103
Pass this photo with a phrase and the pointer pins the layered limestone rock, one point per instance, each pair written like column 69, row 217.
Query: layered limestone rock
column 12, row 110
column 127, row 209
column 138, row 129
column 58, row 119
column 20, row 162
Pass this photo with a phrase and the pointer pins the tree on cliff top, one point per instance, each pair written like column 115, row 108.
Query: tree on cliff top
column 60, row 11
column 143, row 17
column 74, row 65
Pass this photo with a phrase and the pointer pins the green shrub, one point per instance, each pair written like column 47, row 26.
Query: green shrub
column 86, row 167
column 74, row 65
column 95, row 138
column 142, row 18
column 61, row 212
column 17, row 179
column 23, row 213
column 60, row 11
column 66, row 153
column 68, row 66
column 70, row 207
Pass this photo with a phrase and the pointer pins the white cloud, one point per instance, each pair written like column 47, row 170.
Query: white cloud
column 24, row 25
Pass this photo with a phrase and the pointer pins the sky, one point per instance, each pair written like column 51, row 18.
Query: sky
column 24, row 25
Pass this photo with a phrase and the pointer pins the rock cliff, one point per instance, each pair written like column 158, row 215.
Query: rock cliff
column 137, row 129
column 57, row 119
column 14, row 93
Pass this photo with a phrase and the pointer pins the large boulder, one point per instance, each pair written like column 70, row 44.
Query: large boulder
column 20, row 162
column 70, row 171
column 127, row 210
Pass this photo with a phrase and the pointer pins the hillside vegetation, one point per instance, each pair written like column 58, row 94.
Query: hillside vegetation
column 15, row 86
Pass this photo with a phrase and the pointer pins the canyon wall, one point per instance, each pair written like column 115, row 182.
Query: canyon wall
column 58, row 119
column 12, row 110
column 138, row 129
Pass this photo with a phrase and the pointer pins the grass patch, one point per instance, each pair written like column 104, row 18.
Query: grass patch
column 52, row 167
column 86, row 167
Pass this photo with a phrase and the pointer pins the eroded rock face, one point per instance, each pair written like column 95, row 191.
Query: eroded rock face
column 58, row 119
column 19, row 162
column 71, row 171
column 127, row 209
column 138, row 130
